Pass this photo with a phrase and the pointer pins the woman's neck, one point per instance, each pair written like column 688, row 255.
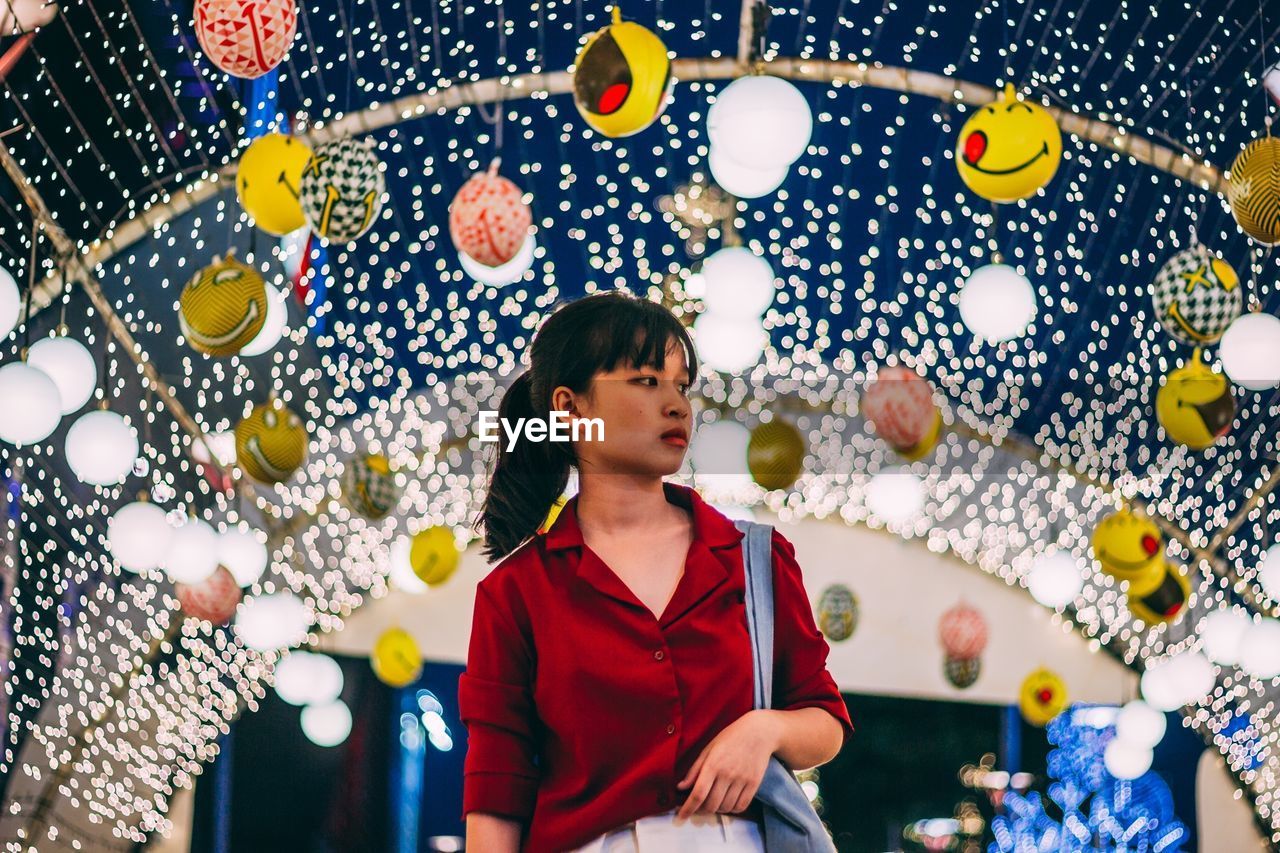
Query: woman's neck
column 614, row 504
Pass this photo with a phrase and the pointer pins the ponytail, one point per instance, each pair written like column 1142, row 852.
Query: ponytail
column 526, row 479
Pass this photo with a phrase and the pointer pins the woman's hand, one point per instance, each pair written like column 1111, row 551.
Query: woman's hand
column 727, row 774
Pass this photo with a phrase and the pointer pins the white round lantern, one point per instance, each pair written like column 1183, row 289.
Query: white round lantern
column 401, row 574
column 744, row 181
column 138, row 536
column 1222, row 632
column 41, row 407
column 273, row 327
column 1140, row 725
column 1250, row 351
column 10, row 304
column 504, row 274
column 729, row 344
column 305, row 678
column 270, row 622
column 328, row 724
column 761, row 122
column 1195, row 676
column 1159, row 686
column 718, row 452
column 1260, row 650
column 739, row 284
column 895, row 496
column 244, row 555
column 1055, row 579
column 101, row 448
column 1124, row 760
column 192, row 552
column 1269, row 572
column 71, row 368
column 997, row 303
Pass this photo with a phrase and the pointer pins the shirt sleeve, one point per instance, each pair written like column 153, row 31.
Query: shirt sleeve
column 495, row 701
column 800, row 677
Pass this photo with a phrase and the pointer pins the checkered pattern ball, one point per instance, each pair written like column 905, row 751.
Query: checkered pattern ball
column 488, row 219
column 1196, row 296
column 837, row 613
column 899, row 404
column 962, row 673
column 963, row 632
column 246, row 38
column 369, row 486
column 341, row 189
column 214, row 599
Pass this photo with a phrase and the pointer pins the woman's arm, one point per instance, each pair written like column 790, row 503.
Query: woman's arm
column 805, row 737
column 489, row 833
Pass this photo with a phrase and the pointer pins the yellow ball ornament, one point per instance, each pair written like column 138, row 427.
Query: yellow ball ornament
column 434, row 555
column 223, row 307
column 775, row 454
column 1131, row 549
column 1195, row 405
column 271, row 443
column 621, row 78
column 1042, row 696
column 1008, row 149
column 1161, row 596
column 267, row 180
column 1253, row 188
column 396, row 658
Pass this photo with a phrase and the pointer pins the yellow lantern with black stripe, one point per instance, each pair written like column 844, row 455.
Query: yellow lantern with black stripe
column 621, row 78
column 434, row 556
column 223, row 307
column 775, row 454
column 396, row 658
column 271, row 443
column 1253, row 188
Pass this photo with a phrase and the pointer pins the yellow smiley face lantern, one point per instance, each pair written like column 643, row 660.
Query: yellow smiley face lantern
column 1008, row 149
column 621, row 78
column 396, row 658
column 434, row 555
column 1042, row 696
column 267, row 181
column 1195, row 405
column 222, row 308
column 271, row 443
column 1131, row 549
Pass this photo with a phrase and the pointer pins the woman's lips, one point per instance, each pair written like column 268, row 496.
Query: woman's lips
column 675, row 440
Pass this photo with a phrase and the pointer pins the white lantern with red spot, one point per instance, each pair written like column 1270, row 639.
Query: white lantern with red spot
column 963, row 632
column 489, row 220
column 246, row 38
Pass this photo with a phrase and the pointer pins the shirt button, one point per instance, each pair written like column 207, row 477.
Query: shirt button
column 659, row 654
column 671, row 730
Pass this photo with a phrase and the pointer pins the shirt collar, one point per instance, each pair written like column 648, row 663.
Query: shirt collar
column 710, row 526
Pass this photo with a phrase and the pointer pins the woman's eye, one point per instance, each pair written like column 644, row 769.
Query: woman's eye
column 649, row 380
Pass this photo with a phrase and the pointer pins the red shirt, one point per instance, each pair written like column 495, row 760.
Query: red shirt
column 583, row 711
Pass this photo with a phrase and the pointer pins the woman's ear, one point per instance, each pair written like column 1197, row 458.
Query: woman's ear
column 564, row 400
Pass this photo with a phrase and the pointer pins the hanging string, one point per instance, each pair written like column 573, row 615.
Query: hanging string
column 31, row 286
column 1262, row 55
column 996, row 256
column 66, row 297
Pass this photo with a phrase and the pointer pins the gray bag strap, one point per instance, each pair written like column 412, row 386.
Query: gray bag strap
column 757, row 558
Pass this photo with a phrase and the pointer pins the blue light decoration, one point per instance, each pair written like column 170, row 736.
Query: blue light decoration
column 1098, row 812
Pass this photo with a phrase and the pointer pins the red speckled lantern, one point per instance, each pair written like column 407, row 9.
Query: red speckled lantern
column 246, row 38
column 488, row 219
column 963, row 632
column 214, row 599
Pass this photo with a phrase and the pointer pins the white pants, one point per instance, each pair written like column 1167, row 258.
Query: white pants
column 661, row 833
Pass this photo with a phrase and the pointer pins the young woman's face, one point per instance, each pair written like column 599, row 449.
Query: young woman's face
column 646, row 415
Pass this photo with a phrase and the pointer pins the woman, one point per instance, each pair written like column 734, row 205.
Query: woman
column 608, row 691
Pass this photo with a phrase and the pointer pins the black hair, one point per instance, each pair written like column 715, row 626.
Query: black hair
column 581, row 338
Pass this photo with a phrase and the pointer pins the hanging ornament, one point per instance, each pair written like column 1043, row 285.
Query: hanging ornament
column 898, row 403
column 1250, row 351
column 70, row 366
column 1196, row 295
column 1271, row 82
column 341, row 189
column 1131, row 549
column 41, row 408
column 895, row 495
column 222, row 307
column 306, row 678
column 192, row 552
column 744, row 181
column 138, row 536
column 268, row 623
column 621, row 78
column 213, row 599
column 962, row 630
column 997, row 303
column 729, row 344
column 25, row 16
column 369, row 486
column 328, row 724
column 271, row 443
column 396, row 658
column 246, row 38
column 738, row 284
column 837, row 613
column 101, row 448
column 269, row 180
column 1253, row 188
column 274, row 327
column 508, row 273
column 243, row 554
column 1055, row 579
column 1221, row 633
column 962, row 673
column 1009, row 149
column 1195, row 405
column 760, row 122
column 775, row 454
column 1042, row 696
column 434, row 555
column 488, row 218
column 10, row 303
